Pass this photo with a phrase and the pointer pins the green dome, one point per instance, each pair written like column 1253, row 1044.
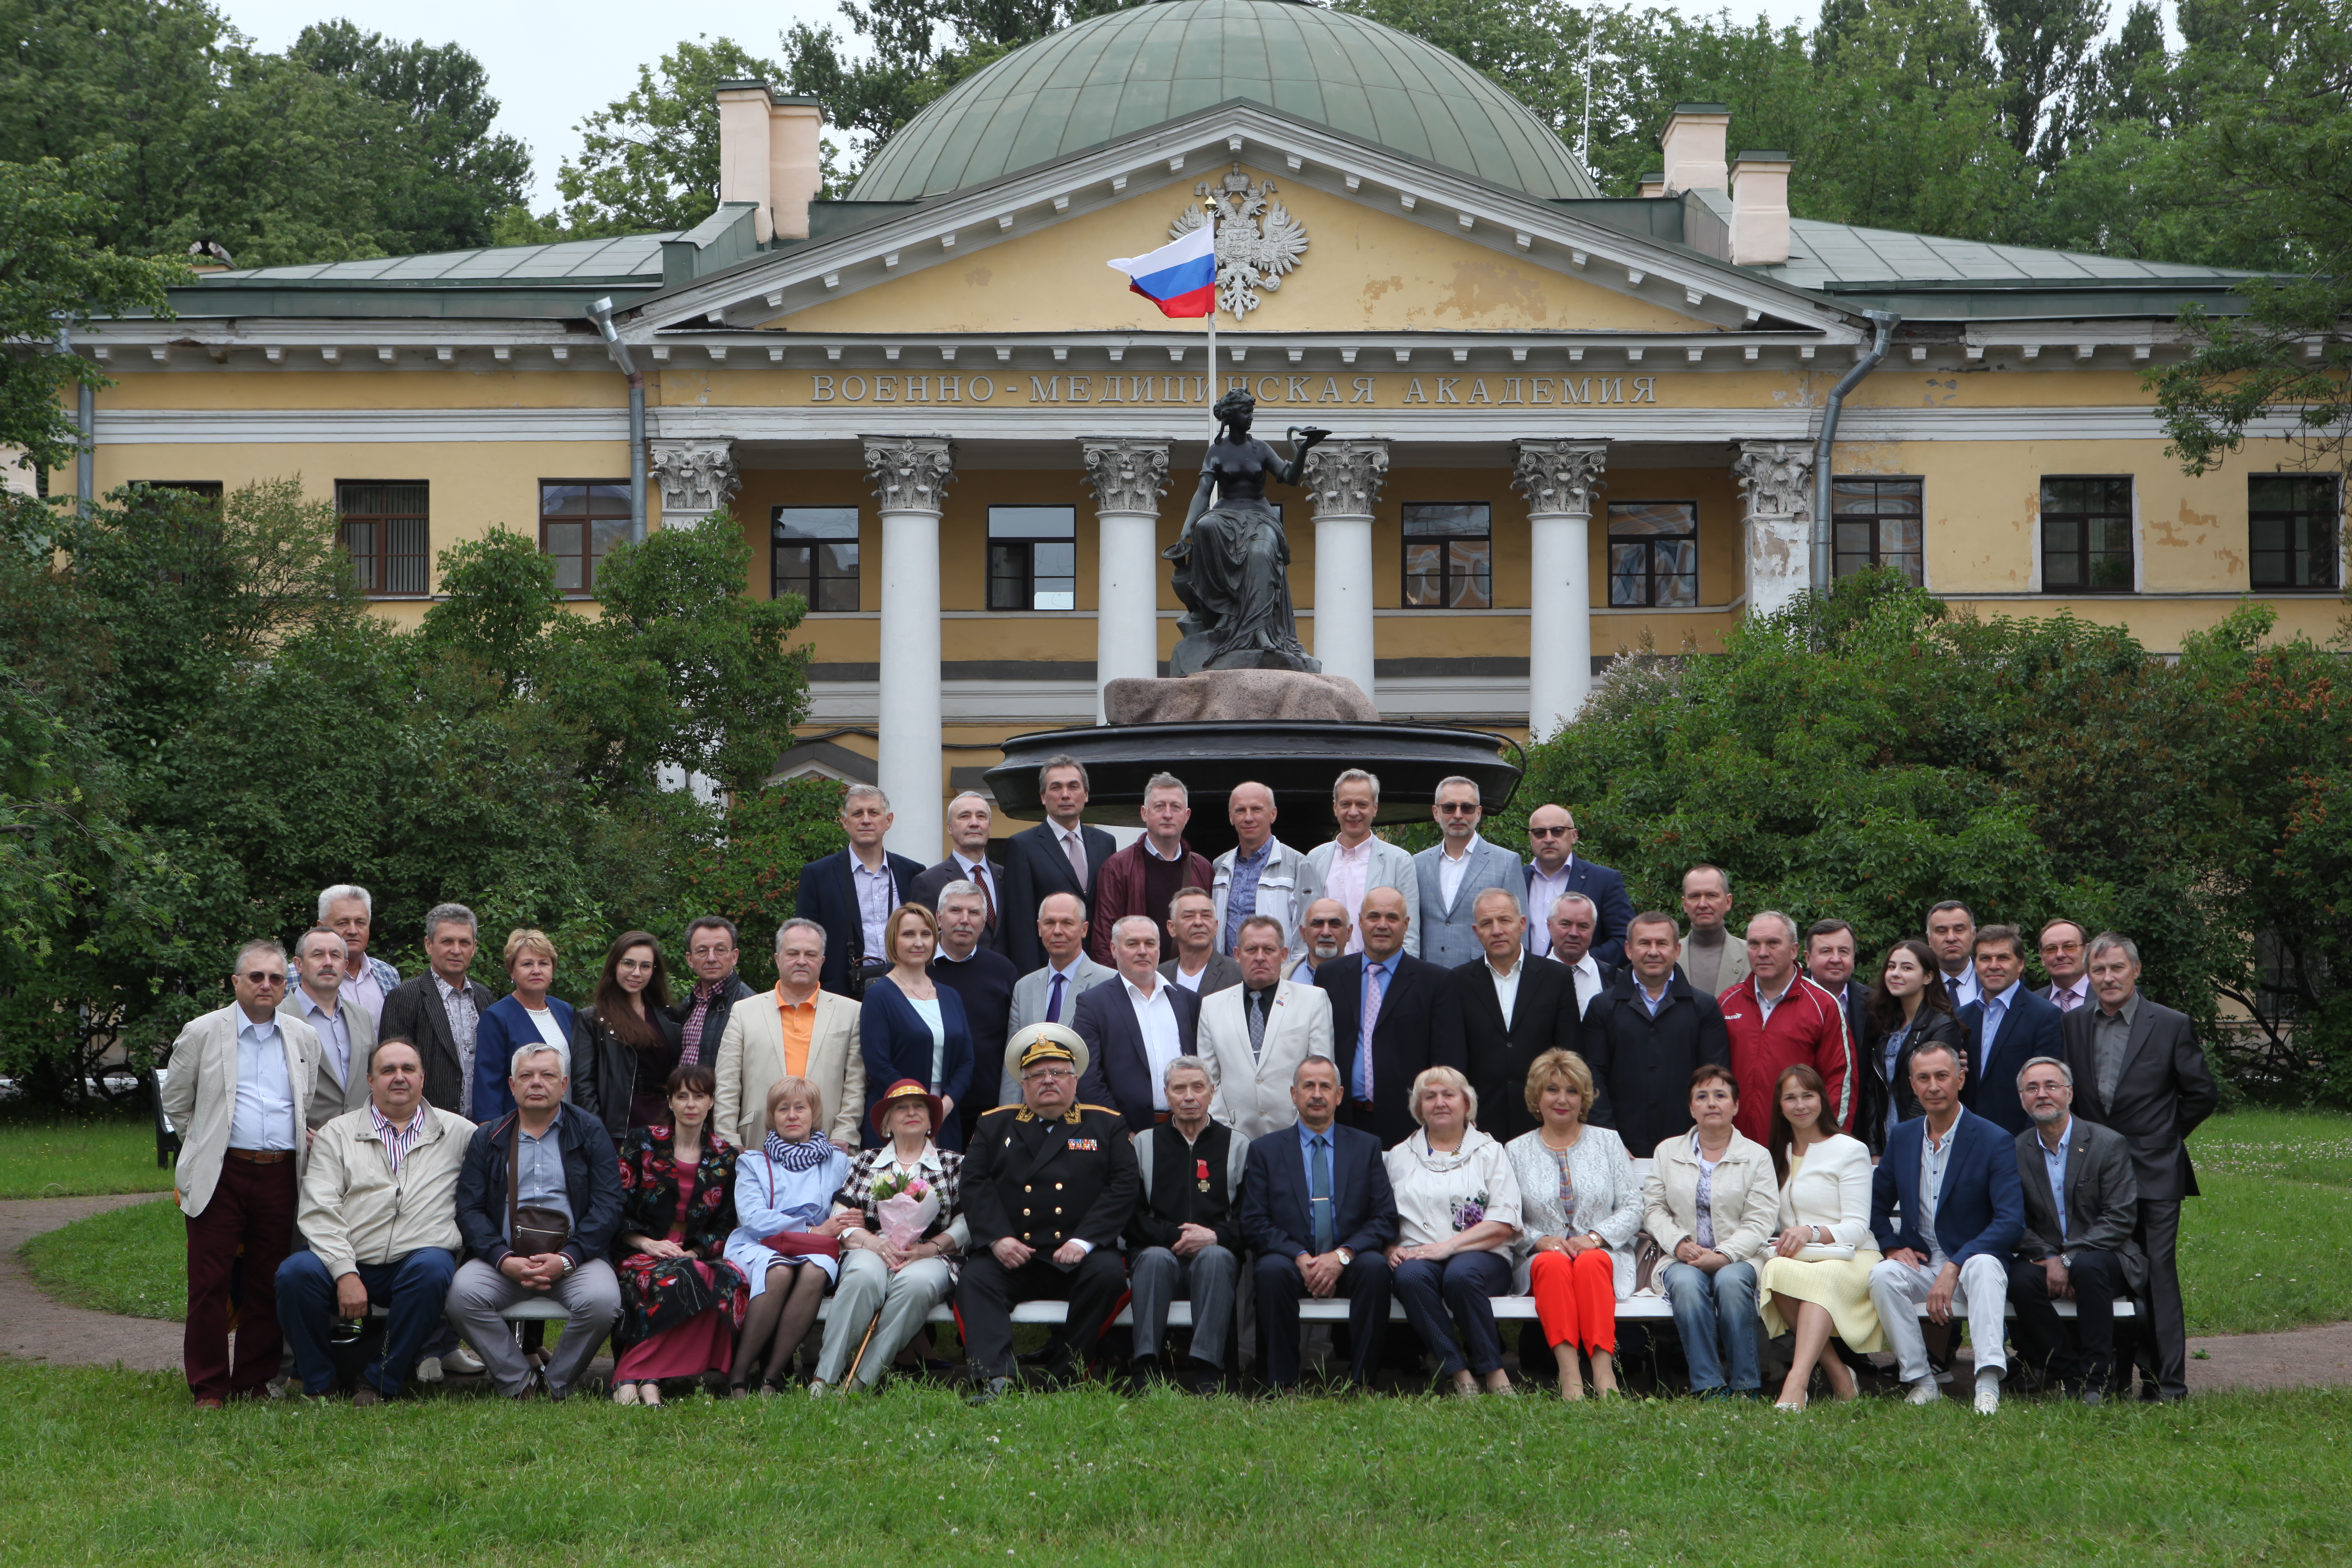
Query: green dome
column 1123, row 72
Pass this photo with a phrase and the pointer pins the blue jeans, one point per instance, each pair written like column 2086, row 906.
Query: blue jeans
column 1441, row 1297
column 1716, row 1316
column 411, row 1291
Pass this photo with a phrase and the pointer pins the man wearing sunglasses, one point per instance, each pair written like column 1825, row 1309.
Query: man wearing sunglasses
column 1453, row 873
column 1557, row 871
column 238, row 1084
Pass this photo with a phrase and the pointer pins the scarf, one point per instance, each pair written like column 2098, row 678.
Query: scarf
column 808, row 1154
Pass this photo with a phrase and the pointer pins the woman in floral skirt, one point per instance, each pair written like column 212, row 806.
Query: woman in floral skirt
column 681, row 1301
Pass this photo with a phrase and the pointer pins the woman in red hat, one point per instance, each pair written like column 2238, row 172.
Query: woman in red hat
column 901, row 1261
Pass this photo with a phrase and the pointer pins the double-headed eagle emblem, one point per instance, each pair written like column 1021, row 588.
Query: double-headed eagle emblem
column 1257, row 240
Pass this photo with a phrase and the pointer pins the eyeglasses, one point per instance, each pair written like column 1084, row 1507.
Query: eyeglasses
column 1451, row 807
column 1550, row 832
column 263, row 977
column 1037, row 1073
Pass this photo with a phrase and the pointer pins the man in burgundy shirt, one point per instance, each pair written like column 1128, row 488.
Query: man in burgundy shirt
column 1144, row 878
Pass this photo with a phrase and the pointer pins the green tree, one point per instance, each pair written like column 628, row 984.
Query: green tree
column 649, row 161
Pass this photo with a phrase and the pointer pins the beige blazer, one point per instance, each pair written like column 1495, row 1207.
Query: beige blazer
column 200, row 1097
column 1252, row 1097
column 355, row 1211
column 751, row 1059
column 334, row 1096
column 1747, row 1198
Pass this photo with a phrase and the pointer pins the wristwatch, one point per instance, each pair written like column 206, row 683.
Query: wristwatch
column 1346, row 1256
column 570, row 1263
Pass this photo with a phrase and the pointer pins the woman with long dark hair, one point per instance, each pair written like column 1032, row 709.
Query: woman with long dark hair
column 1816, row 1278
column 681, row 1301
column 624, row 1042
column 1908, row 1007
column 1232, row 575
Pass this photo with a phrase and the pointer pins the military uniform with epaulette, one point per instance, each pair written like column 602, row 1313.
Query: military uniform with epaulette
column 1044, row 1181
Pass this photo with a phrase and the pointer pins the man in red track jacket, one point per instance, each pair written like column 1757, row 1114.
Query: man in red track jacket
column 1777, row 1018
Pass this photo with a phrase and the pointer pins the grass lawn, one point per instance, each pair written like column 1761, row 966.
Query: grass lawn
column 1088, row 1477
column 79, row 1158
column 2268, row 1247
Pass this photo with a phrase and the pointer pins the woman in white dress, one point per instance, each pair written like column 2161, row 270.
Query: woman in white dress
column 1817, row 1276
column 1579, row 1209
column 784, row 1191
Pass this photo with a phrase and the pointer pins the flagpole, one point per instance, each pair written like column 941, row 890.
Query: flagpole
column 1209, row 203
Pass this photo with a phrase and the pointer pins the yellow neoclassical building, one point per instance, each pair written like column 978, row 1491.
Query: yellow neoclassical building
column 1564, row 425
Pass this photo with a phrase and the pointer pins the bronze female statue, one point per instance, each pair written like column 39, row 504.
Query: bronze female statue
column 1233, row 561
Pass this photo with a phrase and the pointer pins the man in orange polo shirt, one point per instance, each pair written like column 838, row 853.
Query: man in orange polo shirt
column 793, row 1029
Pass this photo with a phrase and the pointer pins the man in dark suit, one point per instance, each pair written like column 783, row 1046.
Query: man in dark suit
column 851, row 891
column 1318, row 1209
column 2139, row 1068
column 1557, row 870
column 1049, row 858
column 970, row 820
column 983, row 981
column 1515, row 1007
column 441, row 1008
column 1134, row 1027
column 1645, row 1037
column 1951, row 1178
column 2082, row 1200
column 1048, row 1187
column 1391, row 1015
column 1830, row 956
column 2007, row 1028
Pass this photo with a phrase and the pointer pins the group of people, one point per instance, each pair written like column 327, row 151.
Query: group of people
column 1350, row 1074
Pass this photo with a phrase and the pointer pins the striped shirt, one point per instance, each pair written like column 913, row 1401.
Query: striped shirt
column 397, row 1140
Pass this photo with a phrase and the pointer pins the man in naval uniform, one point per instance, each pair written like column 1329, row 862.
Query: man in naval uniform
column 1048, row 1187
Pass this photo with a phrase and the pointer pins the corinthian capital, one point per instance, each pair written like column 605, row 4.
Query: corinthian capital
column 696, row 478
column 1344, row 477
column 1777, row 477
column 1559, row 476
column 911, row 473
column 1127, row 476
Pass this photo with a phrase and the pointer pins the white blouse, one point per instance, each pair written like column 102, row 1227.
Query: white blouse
column 1434, row 1190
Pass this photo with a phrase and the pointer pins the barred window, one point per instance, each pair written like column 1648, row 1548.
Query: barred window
column 813, row 551
column 1877, row 522
column 1449, row 554
column 386, row 529
column 579, row 520
column 2291, row 527
column 1653, row 553
column 2086, row 543
column 1032, row 557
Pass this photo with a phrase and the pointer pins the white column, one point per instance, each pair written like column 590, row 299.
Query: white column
column 911, row 475
column 1777, row 478
column 696, row 478
column 1128, row 478
column 1344, row 478
column 1558, row 477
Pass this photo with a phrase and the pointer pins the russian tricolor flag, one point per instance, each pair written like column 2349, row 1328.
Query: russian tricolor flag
column 1181, row 277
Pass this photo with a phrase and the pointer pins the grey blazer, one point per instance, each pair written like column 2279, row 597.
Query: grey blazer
column 1446, row 938
column 2102, row 1198
column 1391, row 867
column 1029, row 998
column 331, row 1095
column 1220, row 973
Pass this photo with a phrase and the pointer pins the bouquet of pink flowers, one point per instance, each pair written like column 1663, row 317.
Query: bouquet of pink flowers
column 907, row 1205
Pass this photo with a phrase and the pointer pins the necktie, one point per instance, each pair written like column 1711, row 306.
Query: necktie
column 1375, row 976
column 2068, row 1001
column 1257, row 1023
column 1076, row 848
column 1321, row 1194
column 1054, row 1002
column 987, row 897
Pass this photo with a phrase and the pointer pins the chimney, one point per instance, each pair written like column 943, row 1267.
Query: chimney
column 1654, row 183
column 768, row 156
column 1759, row 209
column 1693, row 143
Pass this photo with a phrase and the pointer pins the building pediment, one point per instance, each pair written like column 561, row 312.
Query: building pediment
column 1390, row 245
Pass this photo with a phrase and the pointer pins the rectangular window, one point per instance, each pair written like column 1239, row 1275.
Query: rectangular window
column 2291, row 521
column 814, row 553
column 2086, row 545
column 1449, row 553
column 1875, row 522
column 579, row 520
column 1032, row 557
column 1653, row 553
column 385, row 531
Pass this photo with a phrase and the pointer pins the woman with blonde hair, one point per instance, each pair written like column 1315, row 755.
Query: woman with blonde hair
column 526, row 1016
column 1816, row 1278
column 1458, row 1215
column 911, row 1027
column 783, row 1243
column 1579, row 1209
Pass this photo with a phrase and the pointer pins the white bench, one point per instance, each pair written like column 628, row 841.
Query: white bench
column 1507, row 1309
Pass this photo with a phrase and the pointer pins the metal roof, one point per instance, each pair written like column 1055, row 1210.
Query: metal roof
column 573, row 261
column 1130, row 69
column 1823, row 255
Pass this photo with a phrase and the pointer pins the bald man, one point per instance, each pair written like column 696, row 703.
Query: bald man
column 1260, row 875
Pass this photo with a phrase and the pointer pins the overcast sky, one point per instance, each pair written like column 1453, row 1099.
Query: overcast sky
column 551, row 65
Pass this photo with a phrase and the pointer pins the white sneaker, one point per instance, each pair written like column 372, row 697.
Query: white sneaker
column 463, row 1359
column 1924, row 1392
column 1987, row 1392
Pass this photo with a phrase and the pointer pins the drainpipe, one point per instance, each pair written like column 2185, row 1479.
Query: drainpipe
column 600, row 312
column 1887, row 321
column 85, row 426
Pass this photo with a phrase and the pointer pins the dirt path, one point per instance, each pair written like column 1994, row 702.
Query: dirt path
column 35, row 1326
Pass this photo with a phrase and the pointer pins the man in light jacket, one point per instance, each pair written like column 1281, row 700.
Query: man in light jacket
column 346, row 1033
column 238, row 1081
column 380, row 1212
column 1260, row 875
column 793, row 1030
column 1254, row 1036
column 1356, row 862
